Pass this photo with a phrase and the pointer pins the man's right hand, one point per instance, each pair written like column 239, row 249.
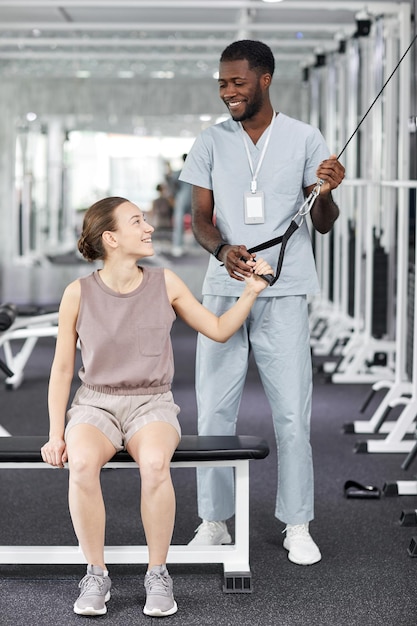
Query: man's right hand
column 234, row 259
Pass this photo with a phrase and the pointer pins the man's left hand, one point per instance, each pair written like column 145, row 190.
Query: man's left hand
column 332, row 172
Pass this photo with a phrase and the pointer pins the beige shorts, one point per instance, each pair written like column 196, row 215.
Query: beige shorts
column 120, row 417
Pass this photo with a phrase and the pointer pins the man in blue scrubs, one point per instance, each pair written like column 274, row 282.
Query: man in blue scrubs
column 250, row 175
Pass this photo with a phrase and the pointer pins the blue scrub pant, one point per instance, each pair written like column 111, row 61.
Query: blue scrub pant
column 277, row 332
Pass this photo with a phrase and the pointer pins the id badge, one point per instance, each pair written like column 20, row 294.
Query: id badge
column 254, row 208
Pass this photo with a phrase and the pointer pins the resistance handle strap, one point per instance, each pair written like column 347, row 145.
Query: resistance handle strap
column 283, row 240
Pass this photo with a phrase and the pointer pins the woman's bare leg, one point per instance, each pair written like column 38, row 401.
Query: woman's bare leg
column 152, row 448
column 88, row 450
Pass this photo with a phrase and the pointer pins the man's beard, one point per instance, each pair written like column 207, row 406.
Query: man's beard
column 252, row 108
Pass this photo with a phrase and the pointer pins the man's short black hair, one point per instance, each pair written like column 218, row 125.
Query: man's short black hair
column 258, row 55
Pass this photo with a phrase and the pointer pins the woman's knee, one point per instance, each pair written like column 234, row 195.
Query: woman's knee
column 88, row 450
column 83, row 467
column 154, row 468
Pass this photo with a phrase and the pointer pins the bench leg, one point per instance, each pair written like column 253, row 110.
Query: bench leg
column 237, row 575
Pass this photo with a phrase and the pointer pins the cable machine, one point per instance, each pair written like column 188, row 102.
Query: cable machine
column 43, row 222
column 361, row 313
column 378, row 204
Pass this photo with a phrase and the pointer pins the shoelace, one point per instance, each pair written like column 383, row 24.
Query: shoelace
column 297, row 529
column 91, row 584
column 158, row 583
column 208, row 527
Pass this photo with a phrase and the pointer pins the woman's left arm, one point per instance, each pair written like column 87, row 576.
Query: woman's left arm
column 204, row 321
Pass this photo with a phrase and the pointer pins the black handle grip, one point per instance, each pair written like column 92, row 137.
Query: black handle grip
column 268, row 277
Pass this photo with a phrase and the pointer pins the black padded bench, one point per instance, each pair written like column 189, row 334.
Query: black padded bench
column 193, row 451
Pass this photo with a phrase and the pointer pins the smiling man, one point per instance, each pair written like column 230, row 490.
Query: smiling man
column 250, row 175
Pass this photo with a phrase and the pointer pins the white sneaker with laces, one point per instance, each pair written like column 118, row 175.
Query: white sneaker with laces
column 211, row 534
column 301, row 548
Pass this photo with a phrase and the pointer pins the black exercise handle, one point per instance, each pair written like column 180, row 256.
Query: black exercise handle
column 8, row 313
column 282, row 239
column 268, row 277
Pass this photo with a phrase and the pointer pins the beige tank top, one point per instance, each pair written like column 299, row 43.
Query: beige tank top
column 125, row 339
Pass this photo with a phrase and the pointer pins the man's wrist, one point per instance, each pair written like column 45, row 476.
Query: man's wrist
column 217, row 249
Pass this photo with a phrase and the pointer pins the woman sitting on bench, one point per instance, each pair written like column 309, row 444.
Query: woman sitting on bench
column 122, row 315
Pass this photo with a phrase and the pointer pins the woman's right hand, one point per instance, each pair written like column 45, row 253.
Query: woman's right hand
column 259, row 268
column 54, row 452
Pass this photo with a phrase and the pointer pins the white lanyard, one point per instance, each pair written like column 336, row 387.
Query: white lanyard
column 253, row 185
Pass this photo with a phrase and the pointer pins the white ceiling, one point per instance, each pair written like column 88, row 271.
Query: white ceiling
column 125, row 39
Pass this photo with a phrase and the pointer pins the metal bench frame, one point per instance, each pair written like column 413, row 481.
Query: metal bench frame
column 18, row 453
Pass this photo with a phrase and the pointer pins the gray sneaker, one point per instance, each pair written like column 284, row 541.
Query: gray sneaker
column 95, row 592
column 159, row 597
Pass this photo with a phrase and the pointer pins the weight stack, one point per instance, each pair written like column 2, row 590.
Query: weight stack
column 410, row 320
column 380, row 291
column 351, row 269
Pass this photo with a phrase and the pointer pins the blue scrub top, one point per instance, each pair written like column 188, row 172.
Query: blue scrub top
column 218, row 161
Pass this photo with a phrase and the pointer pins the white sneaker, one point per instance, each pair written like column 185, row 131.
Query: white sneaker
column 211, row 534
column 301, row 548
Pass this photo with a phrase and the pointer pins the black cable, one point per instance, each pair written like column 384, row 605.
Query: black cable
column 413, row 172
column 376, row 98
